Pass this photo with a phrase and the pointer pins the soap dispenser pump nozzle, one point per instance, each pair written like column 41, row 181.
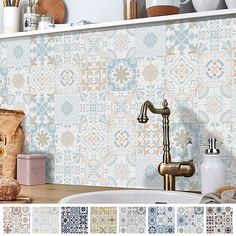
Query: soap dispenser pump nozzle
column 212, row 147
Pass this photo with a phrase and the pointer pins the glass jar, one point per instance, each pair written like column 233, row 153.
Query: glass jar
column 44, row 22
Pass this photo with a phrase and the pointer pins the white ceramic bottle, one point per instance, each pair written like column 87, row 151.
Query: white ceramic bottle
column 213, row 170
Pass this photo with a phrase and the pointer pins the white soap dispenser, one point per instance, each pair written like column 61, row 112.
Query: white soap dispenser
column 213, row 170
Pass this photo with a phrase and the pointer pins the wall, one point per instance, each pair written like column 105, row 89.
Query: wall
column 82, row 93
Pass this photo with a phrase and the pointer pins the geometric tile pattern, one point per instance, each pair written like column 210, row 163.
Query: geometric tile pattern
column 103, row 220
column 161, row 220
column 74, row 220
column 82, row 92
column 190, row 220
column 219, row 220
column 132, row 220
column 16, row 220
column 45, row 220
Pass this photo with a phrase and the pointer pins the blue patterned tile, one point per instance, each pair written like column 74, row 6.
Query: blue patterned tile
column 74, row 220
column 3, row 81
column 66, row 109
column 161, row 220
column 42, row 109
column 122, row 75
column 150, row 41
column 190, row 220
column 42, row 50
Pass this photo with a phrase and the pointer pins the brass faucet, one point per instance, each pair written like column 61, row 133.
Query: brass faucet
column 168, row 169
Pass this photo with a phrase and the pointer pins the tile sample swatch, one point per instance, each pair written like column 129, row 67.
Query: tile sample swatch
column 45, row 220
column 161, row 220
column 74, row 220
column 219, row 220
column 132, row 220
column 103, row 220
column 190, row 220
column 16, row 220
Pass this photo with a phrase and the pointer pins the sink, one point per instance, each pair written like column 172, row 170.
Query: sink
column 133, row 197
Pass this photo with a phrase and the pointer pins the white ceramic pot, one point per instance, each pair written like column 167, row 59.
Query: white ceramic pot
column 230, row 3
column 205, row 5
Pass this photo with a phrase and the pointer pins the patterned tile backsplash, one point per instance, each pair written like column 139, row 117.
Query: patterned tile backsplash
column 82, row 92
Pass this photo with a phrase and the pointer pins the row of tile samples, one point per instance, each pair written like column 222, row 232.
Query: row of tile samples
column 37, row 219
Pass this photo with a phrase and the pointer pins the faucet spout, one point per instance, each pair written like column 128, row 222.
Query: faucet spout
column 168, row 169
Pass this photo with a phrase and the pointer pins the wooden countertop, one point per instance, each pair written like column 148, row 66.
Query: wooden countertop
column 52, row 193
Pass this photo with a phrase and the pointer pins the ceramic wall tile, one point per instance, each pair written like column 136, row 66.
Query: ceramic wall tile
column 66, row 48
column 150, row 41
column 42, row 50
column 42, row 79
column 132, row 220
column 74, row 220
column 16, row 220
column 190, row 220
column 45, row 220
column 18, row 52
column 3, row 81
column 182, row 38
column 103, row 220
column 219, row 220
column 121, row 44
column 215, row 35
column 161, row 220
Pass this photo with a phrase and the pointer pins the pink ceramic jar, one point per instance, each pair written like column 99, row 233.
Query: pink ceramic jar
column 31, row 169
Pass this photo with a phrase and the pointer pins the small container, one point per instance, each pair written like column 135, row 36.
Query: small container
column 131, row 9
column 31, row 169
column 213, row 170
column 11, row 19
column 30, row 17
column 45, row 22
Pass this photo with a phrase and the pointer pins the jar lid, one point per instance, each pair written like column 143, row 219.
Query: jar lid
column 45, row 18
column 31, row 156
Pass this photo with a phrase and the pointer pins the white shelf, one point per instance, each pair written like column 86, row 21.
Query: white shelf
column 187, row 16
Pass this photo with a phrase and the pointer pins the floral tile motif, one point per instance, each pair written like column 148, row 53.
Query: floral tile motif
column 132, row 220
column 219, row 220
column 74, row 220
column 182, row 38
column 16, row 220
column 161, row 220
column 152, row 72
column 121, row 44
column 45, row 220
column 18, row 80
column 43, row 138
column 122, row 75
column 190, row 220
column 216, row 69
column 103, row 220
